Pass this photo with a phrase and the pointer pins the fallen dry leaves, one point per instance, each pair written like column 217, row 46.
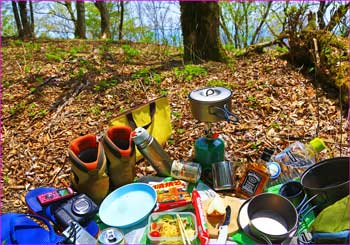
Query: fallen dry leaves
column 49, row 102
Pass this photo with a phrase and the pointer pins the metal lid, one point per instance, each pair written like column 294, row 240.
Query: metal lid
column 211, row 94
column 139, row 135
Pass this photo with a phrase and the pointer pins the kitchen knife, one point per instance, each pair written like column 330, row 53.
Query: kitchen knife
column 223, row 229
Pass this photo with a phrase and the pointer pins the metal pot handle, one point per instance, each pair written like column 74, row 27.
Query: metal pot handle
column 227, row 114
column 209, row 90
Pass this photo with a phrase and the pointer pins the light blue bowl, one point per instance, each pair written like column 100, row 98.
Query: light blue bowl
column 128, row 205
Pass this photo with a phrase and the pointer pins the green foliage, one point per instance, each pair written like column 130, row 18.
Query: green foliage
column 96, row 110
column 6, row 84
column 17, row 107
column 109, row 114
column 176, row 114
column 251, row 83
column 171, row 141
column 282, row 50
column 77, row 49
column 147, row 76
column 251, row 99
column 219, row 83
column 130, row 52
column 189, row 72
column 7, row 21
column 54, row 56
column 163, row 92
column 180, row 130
column 275, row 125
column 102, row 85
column 18, row 42
column 268, row 68
column 32, row 90
column 40, row 80
column 149, row 37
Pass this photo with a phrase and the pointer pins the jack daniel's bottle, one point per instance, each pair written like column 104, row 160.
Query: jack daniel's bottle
column 256, row 176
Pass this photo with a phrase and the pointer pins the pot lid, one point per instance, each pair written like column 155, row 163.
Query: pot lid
column 210, row 94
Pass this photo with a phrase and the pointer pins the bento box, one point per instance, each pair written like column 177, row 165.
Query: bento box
column 164, row 227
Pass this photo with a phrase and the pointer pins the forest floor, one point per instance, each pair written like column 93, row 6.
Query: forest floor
column 56, row 90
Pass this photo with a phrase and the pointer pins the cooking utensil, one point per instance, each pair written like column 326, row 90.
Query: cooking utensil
column 272, row 216
column 222, row 175
column 326, row 182
column 122, row 208
column 223, row 228
column 212, row 104
column 294, row 192
column 243, row 223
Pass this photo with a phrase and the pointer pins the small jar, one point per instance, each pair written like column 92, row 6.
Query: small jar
column 188, row 171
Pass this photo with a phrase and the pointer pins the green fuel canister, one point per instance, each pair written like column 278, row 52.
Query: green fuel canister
column 208, row 150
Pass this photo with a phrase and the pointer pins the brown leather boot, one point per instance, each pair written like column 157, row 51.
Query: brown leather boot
column 120, row 152
column 88, row 162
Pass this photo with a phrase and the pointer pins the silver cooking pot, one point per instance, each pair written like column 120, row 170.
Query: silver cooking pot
column 212, row 104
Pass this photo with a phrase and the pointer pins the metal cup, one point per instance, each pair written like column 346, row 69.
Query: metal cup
column 222, row 175
column 294, row 192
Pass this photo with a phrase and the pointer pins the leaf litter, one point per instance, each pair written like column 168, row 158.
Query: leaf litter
column 47, row 102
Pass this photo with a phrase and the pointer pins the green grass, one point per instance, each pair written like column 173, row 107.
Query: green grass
column 147, row 76
column 105, row 85
column 130, row 52
column 219, row 83
column 189, row 72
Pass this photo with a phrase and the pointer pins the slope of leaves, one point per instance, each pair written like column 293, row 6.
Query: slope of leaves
column 57, row 90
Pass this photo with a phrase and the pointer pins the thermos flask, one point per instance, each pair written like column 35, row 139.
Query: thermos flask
column 152, row 151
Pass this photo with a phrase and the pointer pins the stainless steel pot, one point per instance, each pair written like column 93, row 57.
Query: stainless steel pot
column 212, row 104
column 272, row 217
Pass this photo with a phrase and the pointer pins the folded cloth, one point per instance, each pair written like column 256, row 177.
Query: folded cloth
column 23, row 229
column 334, row 218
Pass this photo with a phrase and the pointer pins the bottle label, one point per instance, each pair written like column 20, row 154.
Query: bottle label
column 189, row 171
column 291, row 156
column 251, row 182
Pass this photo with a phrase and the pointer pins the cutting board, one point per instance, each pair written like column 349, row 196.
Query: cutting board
column 214, row 222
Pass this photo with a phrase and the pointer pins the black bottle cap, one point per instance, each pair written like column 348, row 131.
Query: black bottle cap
column 266, row 155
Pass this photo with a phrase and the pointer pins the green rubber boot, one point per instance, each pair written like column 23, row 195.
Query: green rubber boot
column 120, row 151
column 88, row 162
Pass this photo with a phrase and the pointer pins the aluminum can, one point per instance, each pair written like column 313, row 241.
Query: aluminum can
column 111, row 236
column 188, row 171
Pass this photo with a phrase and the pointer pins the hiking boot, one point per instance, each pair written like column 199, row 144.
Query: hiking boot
column 121, row 155
column 89, row 167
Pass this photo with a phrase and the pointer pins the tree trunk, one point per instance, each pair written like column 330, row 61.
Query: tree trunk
column 105, row 28
column 31, row 17
column 24, row 19
column 17, row 19
column 121, row 20
column 200, row 22
column 81, row 26
column 320, row 15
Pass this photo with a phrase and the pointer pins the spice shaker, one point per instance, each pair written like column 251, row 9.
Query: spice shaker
column 152, row 151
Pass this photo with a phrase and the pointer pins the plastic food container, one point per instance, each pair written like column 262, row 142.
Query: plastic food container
column 164, row 227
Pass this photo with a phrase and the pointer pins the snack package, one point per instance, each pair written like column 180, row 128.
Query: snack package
column 202, row 226
column 172, row 195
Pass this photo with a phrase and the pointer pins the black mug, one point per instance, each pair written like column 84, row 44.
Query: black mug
column 294, row 192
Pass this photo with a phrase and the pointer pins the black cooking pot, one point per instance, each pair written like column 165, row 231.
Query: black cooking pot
column 326, row 182
column 272, row 217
